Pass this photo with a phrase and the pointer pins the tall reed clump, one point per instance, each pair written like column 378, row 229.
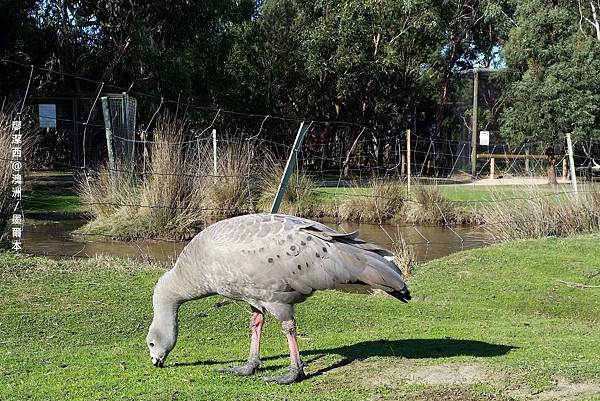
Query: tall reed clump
column 382, row 201
column 299, row 197
column 174, row 193
column 173, row 188
column 539, row 213
column 105, row 197
column 163, row 198
column 404, row 255
column 231, row 191
column 429, row 206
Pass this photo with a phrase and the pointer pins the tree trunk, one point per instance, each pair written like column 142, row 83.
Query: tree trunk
column 551, row 169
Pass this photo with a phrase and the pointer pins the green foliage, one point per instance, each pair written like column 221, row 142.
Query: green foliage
column 173, row 48
column 366, row 61
column 377, row 63
column 556, row 75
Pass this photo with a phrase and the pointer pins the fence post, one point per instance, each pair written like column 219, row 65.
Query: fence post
column 474, row 123
column 572, row 164
column 408, row 161
column 492, row 167
column 289, row 167
column 527, row 162
column 214, row 137
column 144, row 135
column 565, row 172
column 109, row 141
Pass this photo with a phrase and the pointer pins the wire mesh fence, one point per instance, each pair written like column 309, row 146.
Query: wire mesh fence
column 166, row 175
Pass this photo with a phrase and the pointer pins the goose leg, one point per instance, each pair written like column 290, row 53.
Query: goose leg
column 296, row 372
column 256, row 323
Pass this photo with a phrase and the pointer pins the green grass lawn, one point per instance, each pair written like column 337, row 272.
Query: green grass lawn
column 46, row 201
column 454, row 192
column 491, row 323
column 477, row 193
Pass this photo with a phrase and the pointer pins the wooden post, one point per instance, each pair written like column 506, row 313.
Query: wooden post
column 572, row 164
column 215, row 168
column 109, row 142
column 474, row 122
column 144, row 136
column 527, row 162
column 408, row 161
column 565, row 171
column 289, row 167
column 492, row 167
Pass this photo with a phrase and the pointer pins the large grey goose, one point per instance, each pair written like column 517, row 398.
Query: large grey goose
column 270, row 261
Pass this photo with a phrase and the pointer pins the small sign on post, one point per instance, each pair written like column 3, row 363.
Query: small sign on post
column 484, row 138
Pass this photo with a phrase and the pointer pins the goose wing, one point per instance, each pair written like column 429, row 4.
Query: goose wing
column 273, row 257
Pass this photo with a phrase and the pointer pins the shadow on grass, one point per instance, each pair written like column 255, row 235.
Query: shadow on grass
column 412, row 349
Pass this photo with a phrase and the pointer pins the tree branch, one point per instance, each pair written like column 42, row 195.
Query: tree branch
column 596, row 24
column 580, row 17
column 577, row 285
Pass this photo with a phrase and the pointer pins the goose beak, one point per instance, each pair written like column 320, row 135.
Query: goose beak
column 159, row 363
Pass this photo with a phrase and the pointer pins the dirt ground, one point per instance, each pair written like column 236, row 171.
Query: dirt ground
column 510, row 180
column 451, row 381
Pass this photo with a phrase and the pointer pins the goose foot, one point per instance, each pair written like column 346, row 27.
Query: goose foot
column 245, row 370
column 295, row 374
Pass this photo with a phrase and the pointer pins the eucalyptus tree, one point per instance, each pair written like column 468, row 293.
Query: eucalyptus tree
column 553, row 54
column 166, row 48
column 379, row 63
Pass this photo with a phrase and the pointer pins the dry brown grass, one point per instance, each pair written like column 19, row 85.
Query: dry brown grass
column 165, row 198
column 230, row 193
column 404, row 256
column 429, row 206
column 175, row 193
column 104, row 199
column 540, row 214
column 383, row 202
column 7, row 202
column 299, row 196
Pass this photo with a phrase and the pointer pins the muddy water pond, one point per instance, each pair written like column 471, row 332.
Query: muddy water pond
column 55, row 238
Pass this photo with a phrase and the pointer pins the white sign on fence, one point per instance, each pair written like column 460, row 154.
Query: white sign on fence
column 484, row 138
column 47, row 115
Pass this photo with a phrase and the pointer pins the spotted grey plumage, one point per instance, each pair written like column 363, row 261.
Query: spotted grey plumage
column 270, row 261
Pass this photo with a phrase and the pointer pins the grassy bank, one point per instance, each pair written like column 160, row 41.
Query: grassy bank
column 494, row 323
column 47, row 201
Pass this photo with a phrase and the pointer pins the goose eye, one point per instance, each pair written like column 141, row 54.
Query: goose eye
column 151, row 344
